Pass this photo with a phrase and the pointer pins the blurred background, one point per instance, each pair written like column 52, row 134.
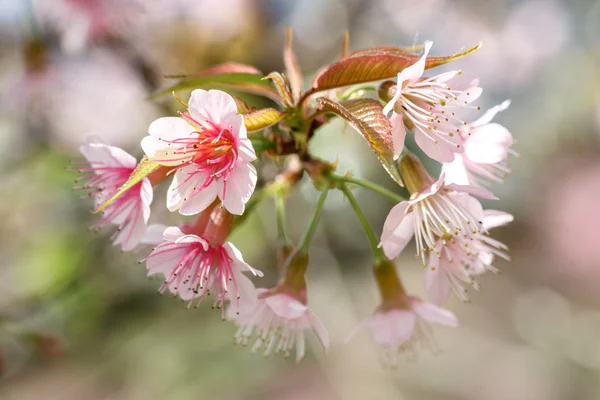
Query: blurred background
column 78, row 319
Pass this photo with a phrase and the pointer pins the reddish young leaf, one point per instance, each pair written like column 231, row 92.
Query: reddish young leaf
column 227, row 68
column 241, row 81
column 283, row 88
column 366, row 116
column 292, row 69
column 374, row 64
column 261, row 119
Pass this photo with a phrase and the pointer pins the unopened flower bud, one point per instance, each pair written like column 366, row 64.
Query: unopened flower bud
column 413, row 173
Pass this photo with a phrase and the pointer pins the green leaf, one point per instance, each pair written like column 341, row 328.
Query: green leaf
column 373, row 65
column 292, row 68
column 241, row 81
column 143, row 169
column 366, row 116
column 261, row 119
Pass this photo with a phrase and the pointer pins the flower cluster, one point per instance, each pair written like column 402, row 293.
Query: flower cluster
column 208, row 153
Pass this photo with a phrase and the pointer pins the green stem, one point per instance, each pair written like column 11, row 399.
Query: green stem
column 346, row 95
column 280, row 212
column 362, row 218
column 367, row 185
column 261, row 144
column 259, row 195
column 314, row 221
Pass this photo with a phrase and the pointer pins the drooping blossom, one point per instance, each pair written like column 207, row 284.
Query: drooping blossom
column 435, row 210
column 276, row 320
column 454, row 265
column 210, row 151
column 487, row 146
column 401, row 328
column 401, row 322
column 194, row 267
column 427, row 106
column 110, row 167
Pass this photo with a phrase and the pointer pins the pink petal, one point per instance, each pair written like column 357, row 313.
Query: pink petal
column 472, row 190
column 488, row 144
column 239, row 187
column 495, row 218
column 213, row 105
column 441, row 151
column 398, row 229
column 470, row 203
column 437, row 283
column 319, row 328
column 248, row 296
column 490, row 114
column 392, row 328
column 285, row 306
column 398, row 134
column 469, row 95
column 434, row 314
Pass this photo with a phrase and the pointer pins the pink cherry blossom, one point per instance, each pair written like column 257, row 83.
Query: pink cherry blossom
column 428, row 105
column 110, row 168
column 454, row 265
column 278, row 319
column 194, row 268
column 401, row 327
column 209, row 148
column 487, row 146
column 440, row 210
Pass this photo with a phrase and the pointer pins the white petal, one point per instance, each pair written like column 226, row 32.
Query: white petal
column 236, row 256
column 102, row 155
column 456, row 172
column 164, row 130
column 212, row 105
column 319, row 329
column 398, row 134
column 398, row 229
column 239, row 187
column 495, row 218
column 172, row 233
column 434, row 314
column 154, row 234
column 416, row 70
column 200, row 201
column 246, row 150
column 488, row 144
column 490, row 114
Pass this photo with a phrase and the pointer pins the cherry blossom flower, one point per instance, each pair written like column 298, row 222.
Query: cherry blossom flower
column 487, row 146
column 455, row 264
column 404, row 326
column 210, row 151
column 435, row 210
column 194, row 267
column 110, row 168
column 278, row 318
column 426, row 105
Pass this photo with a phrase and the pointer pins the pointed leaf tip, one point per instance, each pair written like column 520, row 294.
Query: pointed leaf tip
column 144, row 168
